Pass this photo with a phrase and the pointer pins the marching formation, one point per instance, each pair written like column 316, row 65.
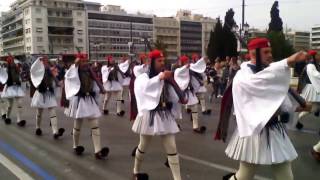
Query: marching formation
column 256, row 94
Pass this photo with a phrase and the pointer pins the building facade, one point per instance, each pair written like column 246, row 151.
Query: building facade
column 44, row 27
column 167, row 31
column 111, row 29
column 299, row 40
column 315, row 37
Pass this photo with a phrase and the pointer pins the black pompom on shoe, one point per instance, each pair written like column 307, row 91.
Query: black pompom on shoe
column 299, row 125
column 7, row 121
column 38, row 132
column 167, row 163
column 4, row 116
column 188, row 110
column 78, row 150
column 228, row 176
column 106, row 112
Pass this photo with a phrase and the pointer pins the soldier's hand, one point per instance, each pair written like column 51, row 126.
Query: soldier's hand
column 165, row 75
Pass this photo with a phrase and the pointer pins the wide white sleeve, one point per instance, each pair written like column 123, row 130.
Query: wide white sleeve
column 37, row 72
column 124, row 66
column 105, row 73
column 3, row 75
column 257, row 97
column 314, row 76
column 72, row 81
column 148, row 92
column 139, row 69
column 182, row 77
column 199, row 66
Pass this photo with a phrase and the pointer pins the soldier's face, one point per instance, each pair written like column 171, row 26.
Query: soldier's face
column 160, row 64
column 266, row 55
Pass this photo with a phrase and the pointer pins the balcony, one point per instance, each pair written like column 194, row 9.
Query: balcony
column 11, row 38
column 12, row 20
column 14, row 45
column 18, row 27
column 60, row 31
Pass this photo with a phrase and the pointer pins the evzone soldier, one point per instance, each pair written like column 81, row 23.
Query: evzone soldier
column 194, row 83
column 260, row 94
column 202, row 90
column 12, row 91
column 156, row 91
column 43, row 80
column 112, row 79
column 82, row 89
column 309, row 86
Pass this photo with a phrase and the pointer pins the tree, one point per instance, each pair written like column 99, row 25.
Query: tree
column 216, row 44
column 229, row 38
column 281, row 47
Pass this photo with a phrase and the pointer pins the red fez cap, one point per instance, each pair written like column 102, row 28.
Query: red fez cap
column 109, row 58
column 142, row 56
column 155, row 54
column 258, row 43
column 312, row 52
column 184, row 59
column 10, row 59
column 82, row 56
column 195, row 56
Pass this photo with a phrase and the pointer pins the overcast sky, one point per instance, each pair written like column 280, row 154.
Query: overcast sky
column 296, row 14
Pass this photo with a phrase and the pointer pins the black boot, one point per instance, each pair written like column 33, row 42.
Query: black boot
column 38, row 132
column 22, row 123
column 106, row 112
column 103, row 153
column 78, row 150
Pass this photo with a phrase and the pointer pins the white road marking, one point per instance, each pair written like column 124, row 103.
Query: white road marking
column 18, row 172
column 216, row 166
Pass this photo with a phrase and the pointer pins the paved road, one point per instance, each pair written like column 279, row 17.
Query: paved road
column 202, row 158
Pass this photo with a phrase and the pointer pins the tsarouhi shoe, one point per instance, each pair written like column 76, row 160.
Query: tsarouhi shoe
column 22, row 123
column 103, row 153
column 59, row 134
column 140, row 176
column 38, row 132
column 78, row 150
column 106, row 112
column 4, row 116
column 121, row 113
column 188, row 110
column 228, row 176
column 200, row 130
column 7, row 121
column 207, row 112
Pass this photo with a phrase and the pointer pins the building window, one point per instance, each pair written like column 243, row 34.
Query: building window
column 28, row 48
column 38, row 10
column 39, row 20
column 26, row 11
column 79, row 13
column 28, row 39
column 80, row 40
column 27, row 21
column 28, row 30
column 39, row 39
column 80, row 31
column 39, row 29
column 79, row 23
